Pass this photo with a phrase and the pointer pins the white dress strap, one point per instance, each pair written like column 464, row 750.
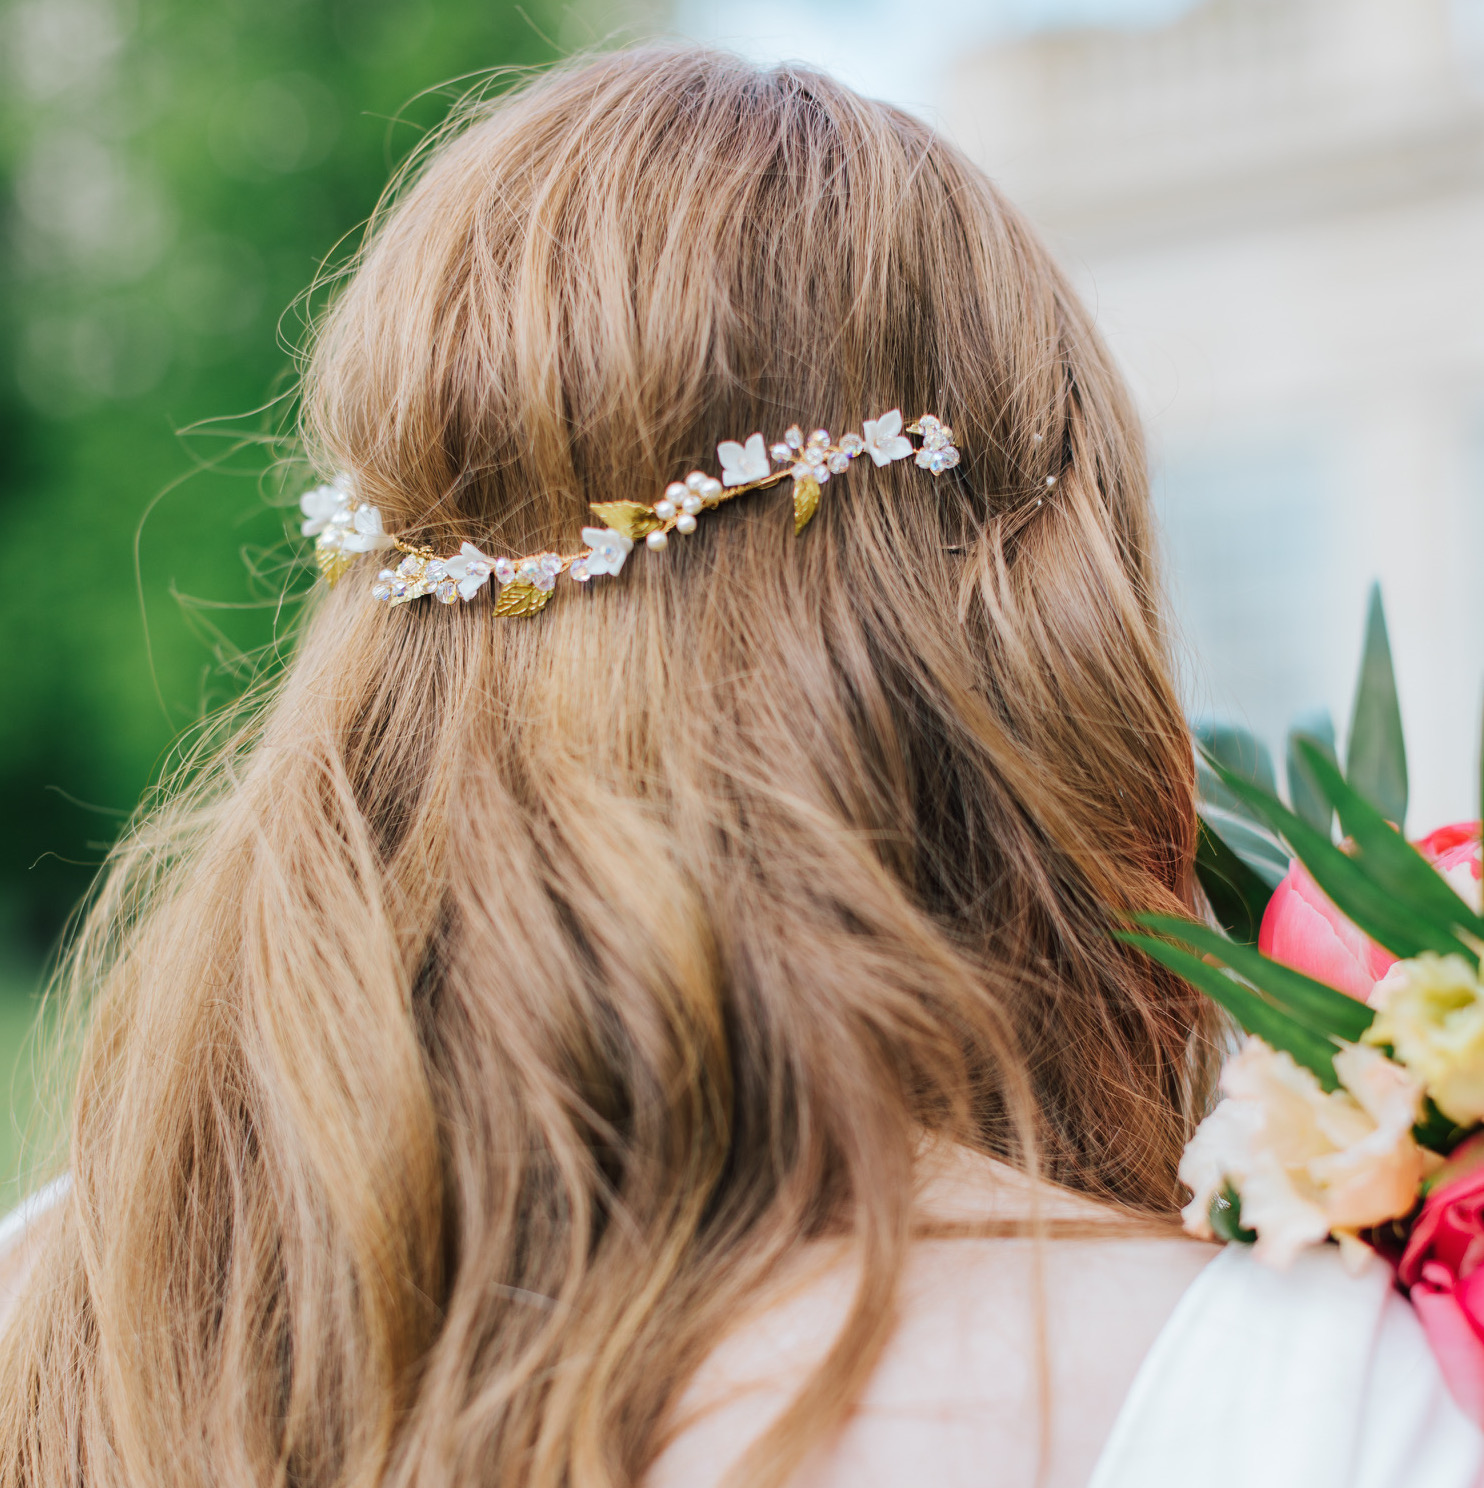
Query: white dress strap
column 1309, row 1378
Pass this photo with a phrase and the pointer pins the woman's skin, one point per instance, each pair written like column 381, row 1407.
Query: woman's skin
column 957, row 1397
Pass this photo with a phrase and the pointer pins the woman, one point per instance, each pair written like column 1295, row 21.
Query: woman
column 677, row 1033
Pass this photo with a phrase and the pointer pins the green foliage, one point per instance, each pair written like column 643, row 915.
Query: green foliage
column 1376, row 757
column 176, row 173
column 1238, row 895
column 1303, row 790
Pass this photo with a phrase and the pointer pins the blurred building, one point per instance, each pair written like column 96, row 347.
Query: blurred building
column 1276, row 208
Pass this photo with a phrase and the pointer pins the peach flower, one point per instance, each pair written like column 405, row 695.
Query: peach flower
column 1306, row 1163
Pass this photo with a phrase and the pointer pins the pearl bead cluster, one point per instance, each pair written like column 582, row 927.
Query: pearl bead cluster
column 682, row 503
column 342, row 524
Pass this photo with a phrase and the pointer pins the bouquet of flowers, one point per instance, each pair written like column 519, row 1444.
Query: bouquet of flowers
column 1353, row 1110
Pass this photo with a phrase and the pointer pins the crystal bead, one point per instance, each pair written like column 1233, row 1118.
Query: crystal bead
column 819, row 439
column 579, row 571
column 435, row 571
column 381, row 589
column 838, row 461
column 1050, row 480
column 852, row 444
column 655, row 541
column 447, row 592
column 692, row 504
column 781, row 453
column 550, row 563
column 793, row 437
column 504, row 570
column 398, row 587
column 675, row 491
column 820, row 472
column 695, row 480
column 665, row 509
column 950, row 457
column 685, row 523
column 928, row 424
column 411, row 567
column 711, row 487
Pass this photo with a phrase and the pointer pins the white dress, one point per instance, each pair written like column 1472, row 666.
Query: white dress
column 1310, row 1378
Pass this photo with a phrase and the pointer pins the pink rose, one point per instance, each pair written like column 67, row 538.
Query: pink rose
column 1441, row 1270
column 1302, row 928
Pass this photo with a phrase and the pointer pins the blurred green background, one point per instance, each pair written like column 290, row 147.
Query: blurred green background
column 173, row 174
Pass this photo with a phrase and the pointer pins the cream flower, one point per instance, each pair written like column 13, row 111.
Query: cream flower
column 609, row 549
column 1306, row 1163
column 368, row 534
column 1431, row 1011
column 319, row 507
column 741, row 463
column 469, row 569
column 885, row 441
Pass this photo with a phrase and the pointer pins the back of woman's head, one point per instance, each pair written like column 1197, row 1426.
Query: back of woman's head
column 513, row 994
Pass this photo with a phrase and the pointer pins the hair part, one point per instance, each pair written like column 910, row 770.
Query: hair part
column 511, row 997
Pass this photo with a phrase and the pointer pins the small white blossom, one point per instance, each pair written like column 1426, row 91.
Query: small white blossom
column 469, row 569
column 319, row 507
column 741, row 463
column 369, row 535
column 609, row 549
column 885, row 441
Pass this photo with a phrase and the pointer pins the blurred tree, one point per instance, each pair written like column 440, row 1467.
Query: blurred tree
column 175, row 172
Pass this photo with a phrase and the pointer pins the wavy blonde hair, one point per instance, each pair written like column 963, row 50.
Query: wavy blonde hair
column 511, row 997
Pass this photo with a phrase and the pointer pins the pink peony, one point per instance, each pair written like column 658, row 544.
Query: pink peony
column 1441, row 1269
column 1303, row 929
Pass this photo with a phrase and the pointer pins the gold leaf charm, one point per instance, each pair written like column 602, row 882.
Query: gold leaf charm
column 806, row 502
column 628, row 517
column 332, row 562
column 522, row 599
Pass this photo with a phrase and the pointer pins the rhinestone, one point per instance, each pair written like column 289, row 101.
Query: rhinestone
column 504, row 570
column 838, row 461
column 1037, row 438
column 447, row 592
column 794, row 437
column 934, row 439
column 928, row 424
column 692, row 504
column 936, row 462
column 781, row 453
column 655, row 541
column 950, row 457
column 665, row 509
column 579, row 571
column 675, row 490
column 685, row 523
column 1050, row 480
column 695, row 480
column 852, row 444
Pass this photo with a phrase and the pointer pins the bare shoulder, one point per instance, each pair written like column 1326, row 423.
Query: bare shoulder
column 1010, row 1352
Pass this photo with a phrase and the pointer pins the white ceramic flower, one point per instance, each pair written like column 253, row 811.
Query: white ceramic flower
column 885, row 441
column 741, row 463
column 319, row 506
column 469, row 569
column 1431, row 1011
column 367, row 534
column 1306, row 1163
column 609, row 549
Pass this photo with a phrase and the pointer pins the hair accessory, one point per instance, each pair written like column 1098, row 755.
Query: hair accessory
column 344, row 526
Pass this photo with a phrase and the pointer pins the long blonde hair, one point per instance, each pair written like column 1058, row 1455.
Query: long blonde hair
column 509, row 997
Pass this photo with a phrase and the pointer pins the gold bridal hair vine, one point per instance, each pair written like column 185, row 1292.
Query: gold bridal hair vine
column 344, row 526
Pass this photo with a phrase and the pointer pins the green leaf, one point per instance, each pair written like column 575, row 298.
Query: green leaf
column 1303, row 790
column 1376, row 756
column 1255, row 1014
column 1241, row 751
column 1316, row 1006
column 1387, row 856
column 1225, row 1215
column 1262, row 853
column 1238, row 896
column 1356, row 894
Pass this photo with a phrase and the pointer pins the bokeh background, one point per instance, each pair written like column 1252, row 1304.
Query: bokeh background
column 1275, row 206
